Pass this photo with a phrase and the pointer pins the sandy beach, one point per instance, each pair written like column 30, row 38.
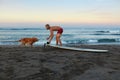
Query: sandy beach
column 38, row 63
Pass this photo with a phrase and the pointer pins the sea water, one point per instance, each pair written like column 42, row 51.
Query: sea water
column 79, row 35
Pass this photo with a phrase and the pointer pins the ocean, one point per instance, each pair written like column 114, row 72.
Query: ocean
column 79, row 35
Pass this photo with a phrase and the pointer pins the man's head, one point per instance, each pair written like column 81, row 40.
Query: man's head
column 47, row 26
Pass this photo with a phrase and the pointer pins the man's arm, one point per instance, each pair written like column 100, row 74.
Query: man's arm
column 51, row 35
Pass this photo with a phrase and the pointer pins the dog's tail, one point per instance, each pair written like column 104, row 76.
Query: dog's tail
column 19, row 40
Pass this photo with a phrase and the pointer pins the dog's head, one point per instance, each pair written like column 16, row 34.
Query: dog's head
column 35, row 39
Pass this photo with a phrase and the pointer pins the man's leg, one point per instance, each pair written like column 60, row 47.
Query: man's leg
column 58, row 38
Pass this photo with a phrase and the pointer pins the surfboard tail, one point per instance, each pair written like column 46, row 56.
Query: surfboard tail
column 80, row 49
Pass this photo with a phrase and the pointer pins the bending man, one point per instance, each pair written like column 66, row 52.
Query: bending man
column 58, row 35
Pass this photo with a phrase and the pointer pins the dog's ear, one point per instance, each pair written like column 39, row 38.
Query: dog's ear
column 37, row 39
column 34, row 39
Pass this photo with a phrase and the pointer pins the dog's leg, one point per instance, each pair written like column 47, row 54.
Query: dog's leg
column 23, row 44
column 31, row 44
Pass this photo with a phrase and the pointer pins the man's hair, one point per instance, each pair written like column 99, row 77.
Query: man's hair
column 47, row 25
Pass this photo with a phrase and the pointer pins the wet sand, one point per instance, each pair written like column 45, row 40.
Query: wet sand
column 38, row 63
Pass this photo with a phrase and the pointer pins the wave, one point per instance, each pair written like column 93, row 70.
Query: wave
column 90, row 41
column 102, row 31
column 106, row 34
column 117, row 32
column 9, row 43
column 21, row 29
column 107, row 40
column 93, row 41
column 70, row 36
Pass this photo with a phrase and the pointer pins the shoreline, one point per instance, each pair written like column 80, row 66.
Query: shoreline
column 38, row 63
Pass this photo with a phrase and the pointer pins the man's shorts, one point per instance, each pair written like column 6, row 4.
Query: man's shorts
column 60, row 31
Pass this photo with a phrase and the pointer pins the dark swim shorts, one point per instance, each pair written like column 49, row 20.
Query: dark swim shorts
column 60, row 31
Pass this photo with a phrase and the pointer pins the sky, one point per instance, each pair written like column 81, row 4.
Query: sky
column 60, row 11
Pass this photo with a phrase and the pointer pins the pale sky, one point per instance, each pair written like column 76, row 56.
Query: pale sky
column 60, row 11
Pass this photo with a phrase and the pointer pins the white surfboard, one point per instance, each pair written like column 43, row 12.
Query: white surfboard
column 78, row 49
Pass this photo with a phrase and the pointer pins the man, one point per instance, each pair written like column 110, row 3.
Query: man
column 58, row 35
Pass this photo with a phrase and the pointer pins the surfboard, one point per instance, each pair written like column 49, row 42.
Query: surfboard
column 78, row 49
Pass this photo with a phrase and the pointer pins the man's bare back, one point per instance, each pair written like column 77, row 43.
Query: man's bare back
column 55, row 28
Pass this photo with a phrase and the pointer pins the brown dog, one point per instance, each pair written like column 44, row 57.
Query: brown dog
column 28, row 41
